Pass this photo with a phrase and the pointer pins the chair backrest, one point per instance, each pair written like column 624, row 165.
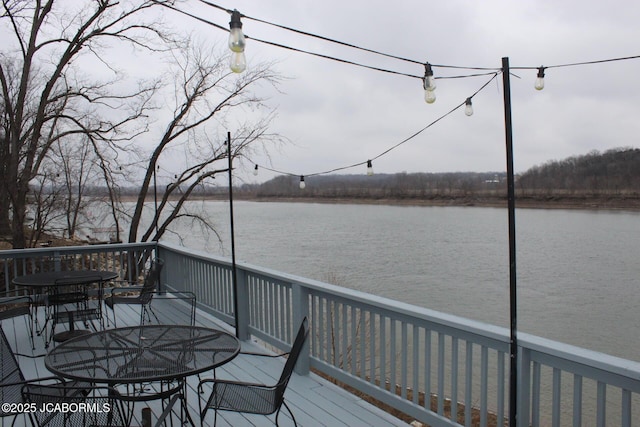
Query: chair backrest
column 12, row 377
column 173, row 308
column 96, row 398
column 301, row 337
column 151, row 279
column 14, row 307
column 71, row 291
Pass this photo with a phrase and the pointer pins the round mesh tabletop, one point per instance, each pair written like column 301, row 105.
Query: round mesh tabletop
column 53, row 278
column 142, row 353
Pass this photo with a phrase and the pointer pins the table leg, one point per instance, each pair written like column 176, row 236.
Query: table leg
column 71, row 333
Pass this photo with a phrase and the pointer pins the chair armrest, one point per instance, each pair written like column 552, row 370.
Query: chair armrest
column 177, row 294
column 233, row 382
column 250, row 353
column 67, row 298
column 123, row 290
column 30, row 356
column 15, row 306
column 34, row 381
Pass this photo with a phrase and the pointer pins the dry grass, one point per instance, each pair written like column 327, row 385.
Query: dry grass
column 492, row 419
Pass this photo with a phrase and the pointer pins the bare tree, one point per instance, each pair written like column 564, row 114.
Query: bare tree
column 46, row 199
column 208, row 101
column 5, row 228
column 47, row 98
column 77, row 169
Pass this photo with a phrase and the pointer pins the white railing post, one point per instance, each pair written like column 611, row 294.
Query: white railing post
column 300, row 302
column 57, row 257
column 242, row 328
column 524, row 386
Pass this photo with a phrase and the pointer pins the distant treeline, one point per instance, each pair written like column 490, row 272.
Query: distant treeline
column 613, row 173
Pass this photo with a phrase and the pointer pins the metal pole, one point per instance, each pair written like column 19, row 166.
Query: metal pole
column 155, row 198
column 234, row 274
column 511, row 199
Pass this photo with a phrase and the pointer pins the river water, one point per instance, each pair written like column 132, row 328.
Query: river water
column 578, row 277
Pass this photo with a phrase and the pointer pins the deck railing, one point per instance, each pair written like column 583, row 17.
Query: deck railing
column 126, row 259
column 437, row 368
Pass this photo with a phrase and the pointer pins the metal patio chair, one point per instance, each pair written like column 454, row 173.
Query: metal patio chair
column 254, row 398
column 172, row 308
column 70, row 302
column 137, row 295
column 12, row 378
column 107, row 408
column 13, row 307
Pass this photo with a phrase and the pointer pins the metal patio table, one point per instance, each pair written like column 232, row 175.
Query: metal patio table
column 49, row 282
column 51, row 279
column 143, row 354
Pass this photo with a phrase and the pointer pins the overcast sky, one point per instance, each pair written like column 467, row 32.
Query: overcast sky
column 336, row 114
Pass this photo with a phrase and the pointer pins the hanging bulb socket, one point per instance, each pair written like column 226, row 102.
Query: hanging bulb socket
column 468, row 107
column 302, row 183
column 429, row 84
column 539, row 85
column 255, row 171
column 369, row 168
column 428, row 81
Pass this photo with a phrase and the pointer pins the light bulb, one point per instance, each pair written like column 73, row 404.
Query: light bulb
column 238, row 62
column 430, row 96
column 302, row 184
column 429, row 84
column 539, row 85
column 369, row 168
column 255, row 171
column 468, row 107
column 237, row 41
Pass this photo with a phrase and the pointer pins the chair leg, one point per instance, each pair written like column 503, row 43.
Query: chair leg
column 29, row 321
column 291, row 413
column 150, row 313
column 33, row 343
column 115, row 324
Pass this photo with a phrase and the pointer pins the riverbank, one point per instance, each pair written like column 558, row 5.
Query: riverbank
column 628, row 203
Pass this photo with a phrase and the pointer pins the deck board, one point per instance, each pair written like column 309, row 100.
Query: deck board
column 314, row 401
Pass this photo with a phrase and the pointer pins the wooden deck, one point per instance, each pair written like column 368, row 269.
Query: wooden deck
column 314, row 402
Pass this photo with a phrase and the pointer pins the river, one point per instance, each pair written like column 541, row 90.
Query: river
column 578, row 277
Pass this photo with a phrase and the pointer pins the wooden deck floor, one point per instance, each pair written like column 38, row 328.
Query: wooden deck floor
column 314, row 402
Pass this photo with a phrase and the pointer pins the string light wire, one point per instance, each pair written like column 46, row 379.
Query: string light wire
column 393, row 147
column 576, row 64
column 493, row 72
column 341, row 43
column 414, row 61
column 489, row 71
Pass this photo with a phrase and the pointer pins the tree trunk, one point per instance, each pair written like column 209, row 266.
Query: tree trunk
column 5, row 224
column 19, row 214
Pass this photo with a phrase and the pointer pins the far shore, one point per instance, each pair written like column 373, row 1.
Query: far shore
column 630, row 203
column 619, row 203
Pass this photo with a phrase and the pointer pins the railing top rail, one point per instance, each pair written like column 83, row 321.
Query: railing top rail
column 486, row 330
column 560, row 350
column 556, row 349
column 591, row 358
column 34, row 252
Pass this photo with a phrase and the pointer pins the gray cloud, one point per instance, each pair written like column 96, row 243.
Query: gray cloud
column 337, row 114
